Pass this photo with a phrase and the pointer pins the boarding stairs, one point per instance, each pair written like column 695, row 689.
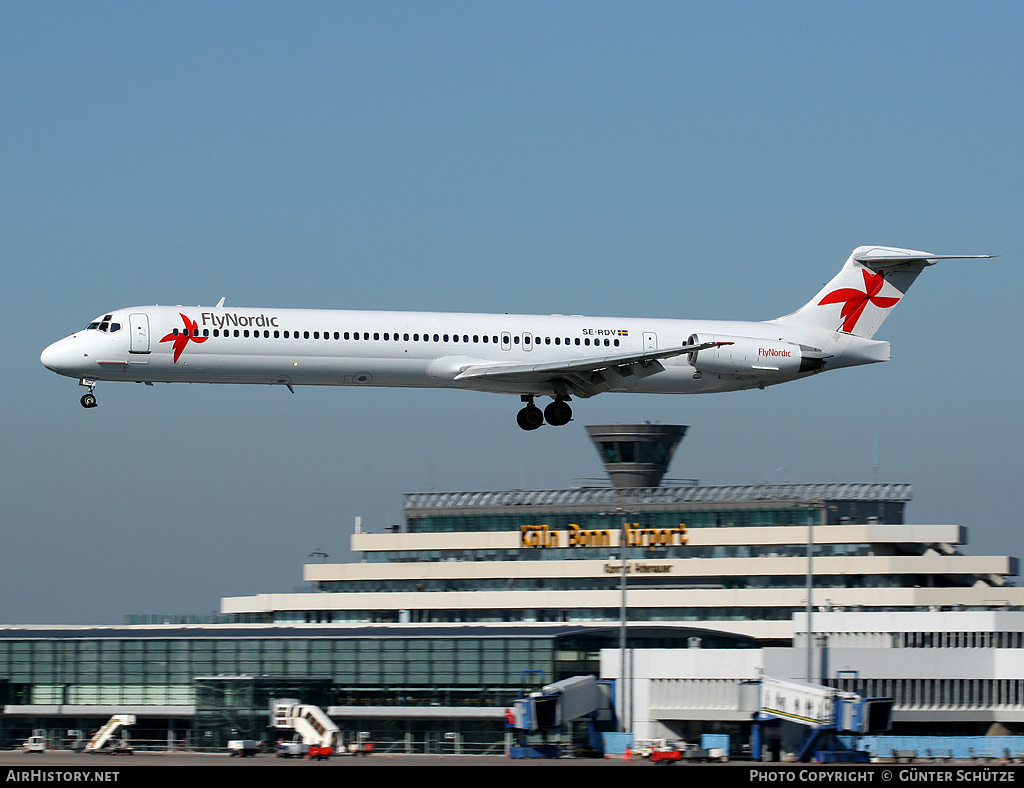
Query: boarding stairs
column 317, row 731
column 105, row 735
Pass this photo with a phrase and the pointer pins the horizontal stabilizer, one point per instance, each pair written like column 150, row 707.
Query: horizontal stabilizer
column 919, row 258
column 873, row 280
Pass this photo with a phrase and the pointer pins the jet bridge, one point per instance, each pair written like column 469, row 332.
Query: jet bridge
column 566, row 701
column 825, row 711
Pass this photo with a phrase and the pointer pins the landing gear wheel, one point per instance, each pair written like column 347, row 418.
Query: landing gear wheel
column 88, row 400
column 530, row 417
column 558, row 413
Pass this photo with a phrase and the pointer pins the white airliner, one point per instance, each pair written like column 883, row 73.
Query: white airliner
column 556, row 356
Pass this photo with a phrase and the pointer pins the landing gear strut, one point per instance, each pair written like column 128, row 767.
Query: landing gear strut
column 556, row 414
column 88, row 400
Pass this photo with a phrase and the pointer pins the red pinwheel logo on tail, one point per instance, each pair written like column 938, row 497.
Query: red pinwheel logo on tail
column 182, row 338
column 855, row 301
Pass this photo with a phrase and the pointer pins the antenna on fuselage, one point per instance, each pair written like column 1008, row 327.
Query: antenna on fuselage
column 221, row 302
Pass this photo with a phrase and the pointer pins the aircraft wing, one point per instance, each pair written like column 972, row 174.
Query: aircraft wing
column 584, row 376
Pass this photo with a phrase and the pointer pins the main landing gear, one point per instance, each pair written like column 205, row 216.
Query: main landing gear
column 556, row 414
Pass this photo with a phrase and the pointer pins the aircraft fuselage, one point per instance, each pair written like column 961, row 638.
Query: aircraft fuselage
column 559, row 356
column 157, row 344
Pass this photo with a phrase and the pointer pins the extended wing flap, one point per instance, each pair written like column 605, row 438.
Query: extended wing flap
column 554, row 369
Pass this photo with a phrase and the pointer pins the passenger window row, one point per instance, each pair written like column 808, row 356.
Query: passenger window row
column 376, row 336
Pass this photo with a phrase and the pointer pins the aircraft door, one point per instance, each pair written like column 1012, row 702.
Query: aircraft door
column 527, row 341
column 138, row 326
column 650, row 340
column 506, row 340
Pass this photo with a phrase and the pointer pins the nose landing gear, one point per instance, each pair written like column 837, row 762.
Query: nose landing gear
column 556, row 414
column 88, row 400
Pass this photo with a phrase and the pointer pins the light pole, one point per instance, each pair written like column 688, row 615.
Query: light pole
column 623, row 539
column 811, row 512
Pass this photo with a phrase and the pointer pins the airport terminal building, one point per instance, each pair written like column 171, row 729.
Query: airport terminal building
column 478, row 597
column 730, row 558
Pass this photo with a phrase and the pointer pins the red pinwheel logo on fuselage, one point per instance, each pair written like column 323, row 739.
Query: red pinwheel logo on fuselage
column 182, row 338
column 855, row 301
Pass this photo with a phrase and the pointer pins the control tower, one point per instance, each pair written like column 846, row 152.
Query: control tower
column 636, row 455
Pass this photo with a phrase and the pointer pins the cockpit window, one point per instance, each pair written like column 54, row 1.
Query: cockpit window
column 105, row 325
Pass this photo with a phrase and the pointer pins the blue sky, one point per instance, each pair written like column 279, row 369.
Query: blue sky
column 686, row 159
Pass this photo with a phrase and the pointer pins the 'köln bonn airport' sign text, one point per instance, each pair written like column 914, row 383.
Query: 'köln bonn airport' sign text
column 635, row 536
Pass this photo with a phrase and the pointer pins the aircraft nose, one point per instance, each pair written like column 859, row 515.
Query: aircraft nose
column 51, row 356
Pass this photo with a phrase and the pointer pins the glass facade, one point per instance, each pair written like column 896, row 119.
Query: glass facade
column 156, row 671
column 652, row 518
column 160, row 671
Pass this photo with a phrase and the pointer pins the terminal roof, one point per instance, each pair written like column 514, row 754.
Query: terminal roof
column 791, row 494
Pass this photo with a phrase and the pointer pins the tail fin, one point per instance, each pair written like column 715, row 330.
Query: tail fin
column 863, row 293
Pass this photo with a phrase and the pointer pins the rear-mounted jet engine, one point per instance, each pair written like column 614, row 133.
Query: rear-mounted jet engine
column 749, row 357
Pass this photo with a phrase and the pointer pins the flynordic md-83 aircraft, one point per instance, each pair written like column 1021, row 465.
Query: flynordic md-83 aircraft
column 552, row 356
